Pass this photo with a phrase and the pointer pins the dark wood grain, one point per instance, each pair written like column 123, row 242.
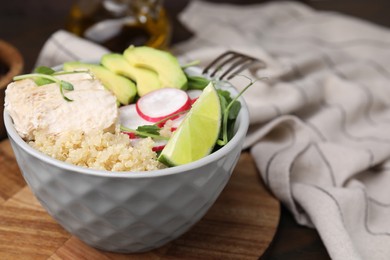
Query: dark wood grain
column 240, row 225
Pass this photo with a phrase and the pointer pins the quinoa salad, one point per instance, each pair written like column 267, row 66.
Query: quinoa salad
column 72, row 139
column 136, row 111
column 99, row 150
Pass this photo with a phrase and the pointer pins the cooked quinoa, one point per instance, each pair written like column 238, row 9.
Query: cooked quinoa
column 166, row 129
column 99, row 150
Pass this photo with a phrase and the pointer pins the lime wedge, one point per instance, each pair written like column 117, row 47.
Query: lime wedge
column 198, row 133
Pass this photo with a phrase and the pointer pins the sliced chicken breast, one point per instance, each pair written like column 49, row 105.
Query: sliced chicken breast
column 43, row 108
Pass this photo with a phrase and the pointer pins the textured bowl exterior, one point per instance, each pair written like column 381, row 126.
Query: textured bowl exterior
column 123, row 211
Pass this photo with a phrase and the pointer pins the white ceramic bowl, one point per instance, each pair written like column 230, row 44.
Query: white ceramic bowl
column 128, row 211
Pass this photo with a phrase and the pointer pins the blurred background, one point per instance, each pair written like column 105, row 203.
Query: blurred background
column 27, row 24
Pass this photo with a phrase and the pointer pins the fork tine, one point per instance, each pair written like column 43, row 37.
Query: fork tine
column 223, row 63
column 238, row 61
column 216, row 60
column 244, row 67
column 240, row 64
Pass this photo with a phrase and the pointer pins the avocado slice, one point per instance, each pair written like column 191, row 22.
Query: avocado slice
column 123, row 88
column 145, row 79
column 163, row 63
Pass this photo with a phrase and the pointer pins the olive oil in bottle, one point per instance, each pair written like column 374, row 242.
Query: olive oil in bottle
column 117, row 24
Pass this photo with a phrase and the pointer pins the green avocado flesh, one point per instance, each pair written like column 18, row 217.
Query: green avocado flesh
column 167, row 67
column 145, row 79
column 123, row 88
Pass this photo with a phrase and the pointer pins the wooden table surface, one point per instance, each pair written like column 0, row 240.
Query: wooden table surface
column 240, row 225
column 27, row 25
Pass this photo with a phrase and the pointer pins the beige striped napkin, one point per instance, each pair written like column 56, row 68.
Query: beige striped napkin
column 320, row 131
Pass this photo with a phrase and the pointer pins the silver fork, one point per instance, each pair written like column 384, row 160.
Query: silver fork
column 237, row 61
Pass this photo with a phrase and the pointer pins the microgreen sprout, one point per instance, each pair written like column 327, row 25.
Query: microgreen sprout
column 230, row 110
column 153, row 130
column 190, row 64
column 45, row 75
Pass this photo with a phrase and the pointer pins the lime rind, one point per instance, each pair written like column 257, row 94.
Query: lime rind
column 198, row 133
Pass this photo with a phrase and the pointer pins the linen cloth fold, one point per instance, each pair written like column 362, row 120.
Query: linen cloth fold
column 64, row 46
column 320, row 111
column 320, row 132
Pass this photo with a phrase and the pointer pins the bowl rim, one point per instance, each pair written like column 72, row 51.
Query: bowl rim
column 241, row 130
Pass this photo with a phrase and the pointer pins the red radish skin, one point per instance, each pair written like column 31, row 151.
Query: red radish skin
column 128, row 117
column 193, row 101
column 132, row 116
column 158, row 148
column 162, row 103
column 130, row 135
column 194, row 94
column 159, row 145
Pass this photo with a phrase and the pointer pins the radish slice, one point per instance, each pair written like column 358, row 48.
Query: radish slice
column 176, row 122
column 162, row 103
column 159, row 145
column 194, row 94
column 128, row 117
column 158, row 148
column 131, row 135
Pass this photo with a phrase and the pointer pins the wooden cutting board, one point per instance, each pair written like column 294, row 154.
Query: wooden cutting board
column 240, row 225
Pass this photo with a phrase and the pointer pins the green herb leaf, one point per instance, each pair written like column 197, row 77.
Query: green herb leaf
column 145, row 131
column 223, row 102
column 66, row 85
column 44, row 70
column 225, row 94
column 42, row 78
column 230, row 109
column 42, row 81
column 62, row 92
column 66, row 98
column 149, row 129
column 197, row 82
column 234, row 110
column 230, row 129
